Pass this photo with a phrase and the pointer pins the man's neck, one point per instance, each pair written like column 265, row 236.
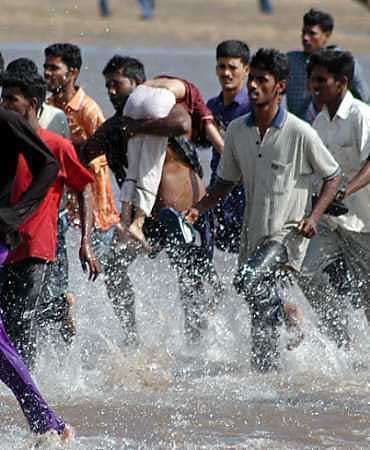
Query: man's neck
column 33, row 121
column 333, row 106
column 264, row 115
column 63, row 97
column 228, row 95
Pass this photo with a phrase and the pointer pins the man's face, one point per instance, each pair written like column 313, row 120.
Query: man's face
column 263, row 89
column 231, row 73
column 314, row 38
column 13, row 99
column 56, row 74
column 324, row 87
column 119, row 88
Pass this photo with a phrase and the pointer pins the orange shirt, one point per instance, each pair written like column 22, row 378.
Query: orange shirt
column 84, row 118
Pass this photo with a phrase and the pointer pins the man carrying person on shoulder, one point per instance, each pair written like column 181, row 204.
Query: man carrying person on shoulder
column 180, row 184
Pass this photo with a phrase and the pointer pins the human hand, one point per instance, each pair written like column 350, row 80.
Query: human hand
column 307, row 227
column 192, row 215
column 89, row 261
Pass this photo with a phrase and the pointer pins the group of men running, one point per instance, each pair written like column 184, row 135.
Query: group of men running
column 266, row 165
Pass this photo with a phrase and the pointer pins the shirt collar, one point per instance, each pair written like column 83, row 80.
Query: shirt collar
column 77, row 100
column 343, row 110
column 277, row 121
column 240, row 98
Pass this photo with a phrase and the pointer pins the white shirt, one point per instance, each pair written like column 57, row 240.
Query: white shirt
column 54, row 119
column 347, row 136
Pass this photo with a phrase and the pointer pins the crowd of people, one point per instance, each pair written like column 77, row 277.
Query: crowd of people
column 289, row 192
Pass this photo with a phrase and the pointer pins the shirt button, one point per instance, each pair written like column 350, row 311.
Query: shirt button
column 259, row 155
column 258, row 142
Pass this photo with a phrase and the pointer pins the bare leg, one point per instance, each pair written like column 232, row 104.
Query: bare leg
column 294, row 321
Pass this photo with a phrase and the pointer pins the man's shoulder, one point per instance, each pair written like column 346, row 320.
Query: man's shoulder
column 54, row 141
column 359, row 109
column 299, row 126
column 213, row 102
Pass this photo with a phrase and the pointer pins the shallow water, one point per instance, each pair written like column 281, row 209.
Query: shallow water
column 165, row 395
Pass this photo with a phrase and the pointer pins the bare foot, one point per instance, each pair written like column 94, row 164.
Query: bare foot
column 135, row 233
column 294, row 322
column 52, row 437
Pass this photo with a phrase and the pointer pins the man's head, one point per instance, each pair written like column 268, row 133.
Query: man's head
column 330, row 74
column 20, row 65
column 122, row 75
column 267, row 81
column 317, row 29
column 232, row 64
column 62, row 66
column 22, row 92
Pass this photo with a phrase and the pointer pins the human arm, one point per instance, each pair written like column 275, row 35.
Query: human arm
column 308, row 226
column 89, row 261
column 176, row 86
column 177, row 123
column 218, row 191
column 214, row 136
column 360, row 180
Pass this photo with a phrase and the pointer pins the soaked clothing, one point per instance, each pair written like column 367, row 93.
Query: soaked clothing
column 228, row 214
column 21, row 139
column 26, row 267
column 15, row 375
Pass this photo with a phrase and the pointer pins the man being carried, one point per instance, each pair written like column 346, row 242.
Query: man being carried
column 275, row 154
column 154, row 100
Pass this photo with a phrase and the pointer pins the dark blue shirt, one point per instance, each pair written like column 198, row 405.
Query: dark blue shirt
column 224, row 114
column 228, row 215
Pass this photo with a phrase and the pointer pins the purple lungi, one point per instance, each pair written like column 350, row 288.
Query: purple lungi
column 15, row 375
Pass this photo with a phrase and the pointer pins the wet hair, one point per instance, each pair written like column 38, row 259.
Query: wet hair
column 1, row 63
column 70, row 54
column 31, row 84
column 272, row 61
column 324, row 20
column 338, row 63
column 129, row 67
column 233, row 49
column 25, row 65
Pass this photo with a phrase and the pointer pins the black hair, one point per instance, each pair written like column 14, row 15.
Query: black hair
column 233, row 49
column 324, row 20
column 70, row 54
column 25, row 65
column 1, row 63
column 338, row 63
column 131, row 68
column 31, row 84
column 271, row 61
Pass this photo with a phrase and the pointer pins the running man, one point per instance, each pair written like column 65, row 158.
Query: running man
column 22, row 140
column 343, row 242
column 275, row 154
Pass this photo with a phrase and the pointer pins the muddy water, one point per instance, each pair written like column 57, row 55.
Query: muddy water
column 165, row 395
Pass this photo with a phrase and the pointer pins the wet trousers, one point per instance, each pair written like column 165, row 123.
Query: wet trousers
column 194, row 270
column 15, row 375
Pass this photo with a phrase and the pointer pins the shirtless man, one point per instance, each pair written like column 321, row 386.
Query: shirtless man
column 180, row 185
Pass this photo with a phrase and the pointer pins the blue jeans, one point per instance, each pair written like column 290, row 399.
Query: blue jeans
column 148, row 8
column 266, row 6
column 104, row 8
